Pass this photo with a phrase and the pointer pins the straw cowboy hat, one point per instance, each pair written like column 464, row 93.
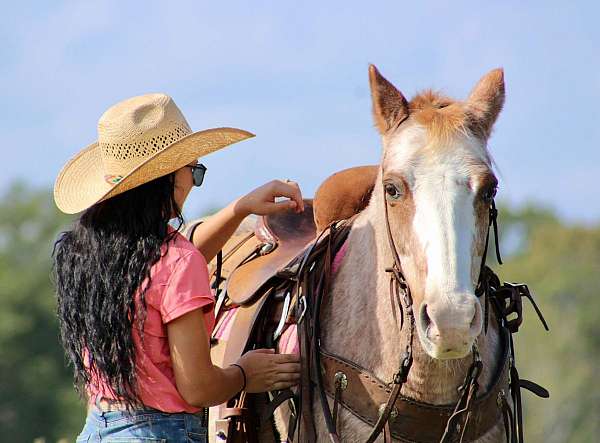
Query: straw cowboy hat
column 139, row 139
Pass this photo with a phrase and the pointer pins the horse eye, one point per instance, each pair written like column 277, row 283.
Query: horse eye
column 392, row 191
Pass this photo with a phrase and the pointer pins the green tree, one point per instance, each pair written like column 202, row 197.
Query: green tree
column 561, row 264
column 37, row 398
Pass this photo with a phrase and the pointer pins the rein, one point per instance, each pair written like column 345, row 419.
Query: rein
column 472, row 415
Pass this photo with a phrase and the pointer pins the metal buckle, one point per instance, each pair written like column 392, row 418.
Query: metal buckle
column 302, row 306
column 340, row 380
column 393, row 412
column 267, row 248
column 284, row 315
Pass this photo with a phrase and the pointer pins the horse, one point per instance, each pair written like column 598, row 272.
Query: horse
column 401, row 318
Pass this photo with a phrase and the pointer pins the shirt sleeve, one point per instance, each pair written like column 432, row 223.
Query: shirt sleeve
column 188, row 287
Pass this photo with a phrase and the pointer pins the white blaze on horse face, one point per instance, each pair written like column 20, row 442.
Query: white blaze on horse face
column 443, row 184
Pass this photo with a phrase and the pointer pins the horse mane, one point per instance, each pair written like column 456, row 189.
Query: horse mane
column 445, row 119
column 442, row 116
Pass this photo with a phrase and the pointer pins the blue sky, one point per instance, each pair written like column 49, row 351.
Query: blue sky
column 295, row 73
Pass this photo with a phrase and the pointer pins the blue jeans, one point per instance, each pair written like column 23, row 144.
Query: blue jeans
column 142, row 426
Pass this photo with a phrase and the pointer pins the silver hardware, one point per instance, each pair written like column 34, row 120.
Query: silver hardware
column 266, row 248
column 294, row 268
column 476, row 356
column 302, row 306
column 500, row 399
column 284, row 315
column 393, row 412
column 340, row 380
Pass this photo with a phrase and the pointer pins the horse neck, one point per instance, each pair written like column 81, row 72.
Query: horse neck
column 361, row 322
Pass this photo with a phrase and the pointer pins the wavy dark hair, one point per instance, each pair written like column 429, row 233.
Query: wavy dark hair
column 98, row 266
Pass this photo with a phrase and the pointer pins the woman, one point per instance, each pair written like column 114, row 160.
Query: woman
column 134, row 302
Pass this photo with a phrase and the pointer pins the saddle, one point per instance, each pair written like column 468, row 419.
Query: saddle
column 344, row 194
column 278, row 238
column 263, row 251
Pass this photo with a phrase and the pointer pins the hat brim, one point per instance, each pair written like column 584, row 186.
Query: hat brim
column 81, row 183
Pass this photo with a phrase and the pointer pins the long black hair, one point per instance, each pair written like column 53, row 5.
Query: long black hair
column 98, row 266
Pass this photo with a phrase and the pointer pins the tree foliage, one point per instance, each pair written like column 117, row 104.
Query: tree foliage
column 36, row 394
column 561, row 264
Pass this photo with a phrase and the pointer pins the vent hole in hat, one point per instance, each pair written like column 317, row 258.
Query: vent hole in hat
column 144, row 148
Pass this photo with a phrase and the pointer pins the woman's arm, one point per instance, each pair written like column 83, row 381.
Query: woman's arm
column 213, row 233
column 199, row 382
column 202, row 384
column 210, row 236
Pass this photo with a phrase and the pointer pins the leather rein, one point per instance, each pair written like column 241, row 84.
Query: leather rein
column 313, row 282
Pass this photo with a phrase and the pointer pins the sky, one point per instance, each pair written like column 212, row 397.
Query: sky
column 295, row 74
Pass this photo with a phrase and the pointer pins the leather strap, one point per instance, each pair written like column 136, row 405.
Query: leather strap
column 410, row 420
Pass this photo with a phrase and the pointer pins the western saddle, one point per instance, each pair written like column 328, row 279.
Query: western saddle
column 251, row 259
column 258, row 256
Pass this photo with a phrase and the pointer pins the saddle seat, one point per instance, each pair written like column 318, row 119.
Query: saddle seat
column 279, row 238
column 261, row 250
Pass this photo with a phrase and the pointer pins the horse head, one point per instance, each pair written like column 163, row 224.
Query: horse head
column 438, row 186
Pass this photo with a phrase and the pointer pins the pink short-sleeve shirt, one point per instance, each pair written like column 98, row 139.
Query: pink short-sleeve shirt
column 179, row 284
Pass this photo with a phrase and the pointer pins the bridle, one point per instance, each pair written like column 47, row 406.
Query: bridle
column 400, row 292
column 504, row 300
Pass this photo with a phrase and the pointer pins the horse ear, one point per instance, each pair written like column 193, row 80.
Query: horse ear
column 486, row 101
column 389, row 105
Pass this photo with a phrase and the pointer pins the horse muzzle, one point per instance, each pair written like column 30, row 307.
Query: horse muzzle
column 447, row 329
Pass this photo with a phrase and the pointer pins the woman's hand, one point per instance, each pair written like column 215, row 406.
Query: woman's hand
column 267, row 371
column 261, row 201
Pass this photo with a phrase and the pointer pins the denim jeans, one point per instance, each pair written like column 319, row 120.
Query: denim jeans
column 142, row 426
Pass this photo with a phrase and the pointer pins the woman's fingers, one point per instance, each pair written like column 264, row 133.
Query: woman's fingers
column 263, row 351
column 262, row 200
column 291, row 190
column 281, row 205
column 287, row 377
column 284, row 380
column 278, row 386
column 289, row 368
column 286, row 358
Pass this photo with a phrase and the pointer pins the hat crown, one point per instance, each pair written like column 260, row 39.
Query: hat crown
column 133, row 130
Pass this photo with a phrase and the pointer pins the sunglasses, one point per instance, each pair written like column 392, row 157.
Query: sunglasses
column 198, row 172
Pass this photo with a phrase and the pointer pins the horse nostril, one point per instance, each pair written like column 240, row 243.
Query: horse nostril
column 425, row 318
column 475, row 325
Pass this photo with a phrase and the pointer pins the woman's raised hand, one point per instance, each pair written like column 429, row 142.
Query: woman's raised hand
column 261, row 201
column 267, row 371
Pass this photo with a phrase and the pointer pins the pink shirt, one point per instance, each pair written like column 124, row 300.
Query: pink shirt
column 179, row 284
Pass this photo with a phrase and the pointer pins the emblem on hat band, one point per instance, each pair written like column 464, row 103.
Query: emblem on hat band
column 113, row 179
